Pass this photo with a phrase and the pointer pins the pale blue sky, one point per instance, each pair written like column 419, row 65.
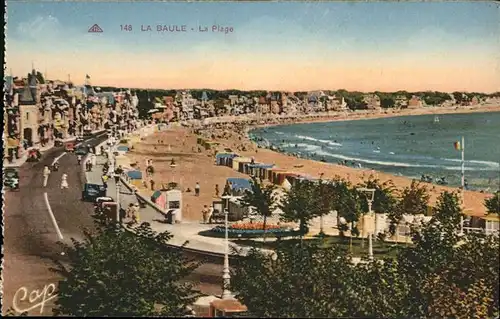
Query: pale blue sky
column 285, row 35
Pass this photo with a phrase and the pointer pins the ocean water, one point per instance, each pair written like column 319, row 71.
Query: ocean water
column 406, row 146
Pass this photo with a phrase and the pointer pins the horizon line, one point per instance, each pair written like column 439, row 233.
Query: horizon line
column 253, row 90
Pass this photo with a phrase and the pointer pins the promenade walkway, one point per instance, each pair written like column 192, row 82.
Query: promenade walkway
column 182, row 232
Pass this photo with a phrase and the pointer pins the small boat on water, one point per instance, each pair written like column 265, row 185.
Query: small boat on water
column 436, row 119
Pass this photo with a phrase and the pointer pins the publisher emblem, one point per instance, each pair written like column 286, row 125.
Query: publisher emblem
column 95, row 29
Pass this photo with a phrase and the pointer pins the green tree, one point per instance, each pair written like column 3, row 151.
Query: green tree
column 115, row 272
column 262, row 198
column 433, row 248
column 304, row 281
column 387, row 102
column 459, row 97
column 441, row 275
column 413, row 200
column 347, row 203
column 447, row 300
column 464, row 265
column 323, row 199
column 493, row 204
column 298, row 205
column 380, row 290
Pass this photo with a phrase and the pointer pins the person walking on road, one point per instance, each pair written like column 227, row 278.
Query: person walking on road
column 79, row 159
column 46, row 173
column 152, row 185
column 64, row 181
column 217, row 191
column 197, row 189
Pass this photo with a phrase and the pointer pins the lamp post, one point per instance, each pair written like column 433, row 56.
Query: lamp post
column 226, row 293
column 118, row 206
column 173, row 165
column 321, row 232
column 370, row 194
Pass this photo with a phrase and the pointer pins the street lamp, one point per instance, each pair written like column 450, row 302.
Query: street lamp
column 321, row 232
column 370, row 195
column 226, row 293
column 172, row 166
column 118, row 206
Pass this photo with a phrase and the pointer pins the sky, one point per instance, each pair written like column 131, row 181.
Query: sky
column 294, row 46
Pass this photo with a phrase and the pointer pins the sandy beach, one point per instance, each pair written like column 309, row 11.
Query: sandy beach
column 195, row 164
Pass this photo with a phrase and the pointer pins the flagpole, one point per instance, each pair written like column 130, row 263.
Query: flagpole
column 463, row 188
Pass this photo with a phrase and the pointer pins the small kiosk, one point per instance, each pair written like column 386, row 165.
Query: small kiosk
column 228, row 308
column 173, row 199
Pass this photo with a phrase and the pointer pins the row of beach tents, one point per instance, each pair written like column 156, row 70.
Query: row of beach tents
column 265, row 172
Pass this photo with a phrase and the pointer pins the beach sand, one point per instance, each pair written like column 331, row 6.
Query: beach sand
column 197, row 165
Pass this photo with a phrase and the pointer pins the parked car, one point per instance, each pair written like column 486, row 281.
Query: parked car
column 69, row 147
column 81, row 151
column 11, row 178
column 99, row 202
column 92, row 191
column 34, row 155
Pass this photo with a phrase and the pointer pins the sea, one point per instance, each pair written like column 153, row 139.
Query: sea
column 411, row 146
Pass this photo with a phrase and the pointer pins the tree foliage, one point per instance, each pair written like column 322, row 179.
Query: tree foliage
column 347, row 203
column 463, row 263
column 299, row 205
column 262, row 199
column 441, row 275
column 118, row 273
column 493, row 204
column 414, row 200
column 294, row 282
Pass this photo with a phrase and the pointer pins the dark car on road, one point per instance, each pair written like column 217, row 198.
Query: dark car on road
column 82, row 150
column 92, row 191
column 34, row 155
column 11, row 178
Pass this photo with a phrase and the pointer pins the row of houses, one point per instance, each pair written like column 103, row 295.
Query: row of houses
column 40, row 112
column 183, row 106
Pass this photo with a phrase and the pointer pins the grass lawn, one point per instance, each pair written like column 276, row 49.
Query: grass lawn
column 380, row 249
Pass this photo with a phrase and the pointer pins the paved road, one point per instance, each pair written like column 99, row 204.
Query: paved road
column 207, row 277
column 30, row 239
